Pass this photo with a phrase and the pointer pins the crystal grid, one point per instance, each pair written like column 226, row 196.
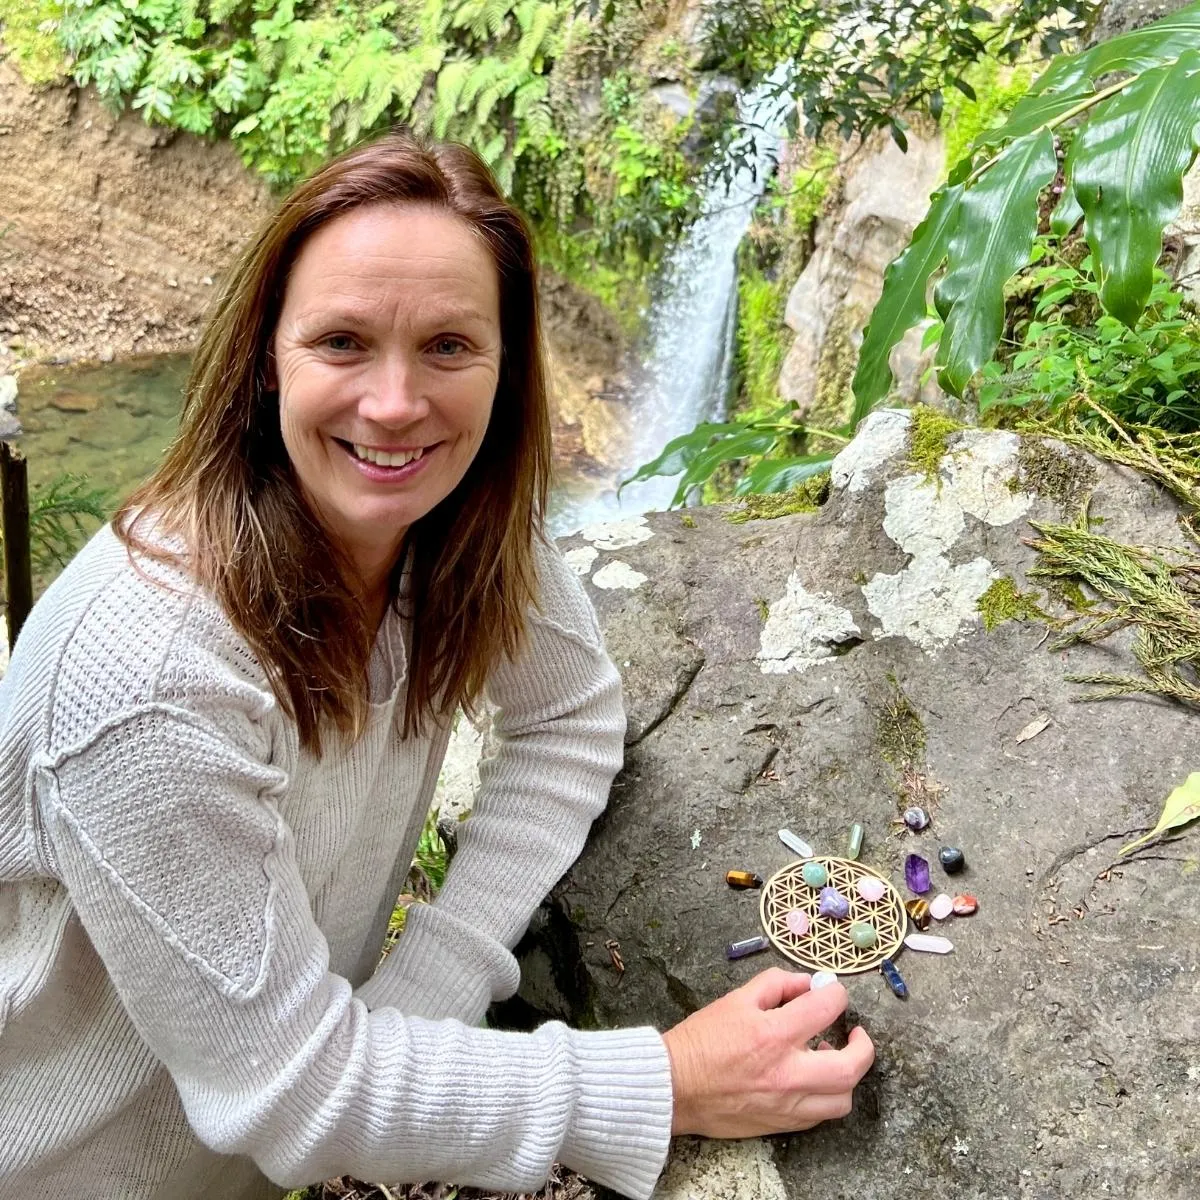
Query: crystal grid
column 827, row 945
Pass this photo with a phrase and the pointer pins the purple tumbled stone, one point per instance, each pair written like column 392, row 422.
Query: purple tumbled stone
column 916, row 874
column 833, row 903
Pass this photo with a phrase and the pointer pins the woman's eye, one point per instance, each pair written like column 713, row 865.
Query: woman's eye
column 446, row 347
column 339, row 341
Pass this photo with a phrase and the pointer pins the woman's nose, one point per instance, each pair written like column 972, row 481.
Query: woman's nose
column 395, row 393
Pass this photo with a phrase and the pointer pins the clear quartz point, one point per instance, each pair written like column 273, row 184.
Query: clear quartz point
column 797, row 845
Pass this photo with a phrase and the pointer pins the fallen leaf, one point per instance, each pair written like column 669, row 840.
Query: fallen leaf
column 1033, row 729
column 1182, row 806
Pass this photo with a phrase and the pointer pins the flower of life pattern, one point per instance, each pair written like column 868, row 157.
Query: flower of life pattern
column 827, row 945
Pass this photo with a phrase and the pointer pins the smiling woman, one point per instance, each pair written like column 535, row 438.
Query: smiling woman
column 220, row 733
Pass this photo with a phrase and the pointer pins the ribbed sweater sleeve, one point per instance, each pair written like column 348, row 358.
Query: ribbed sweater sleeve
column 560, row 726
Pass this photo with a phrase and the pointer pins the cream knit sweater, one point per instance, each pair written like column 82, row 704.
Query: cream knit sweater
column 192, row 908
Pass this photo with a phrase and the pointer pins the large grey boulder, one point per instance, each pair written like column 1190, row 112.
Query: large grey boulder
column 830, row 667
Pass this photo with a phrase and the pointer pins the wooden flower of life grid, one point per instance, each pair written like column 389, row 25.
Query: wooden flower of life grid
column 827, row 945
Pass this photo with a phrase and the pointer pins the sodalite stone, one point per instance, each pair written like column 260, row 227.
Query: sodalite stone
column 916, row 874
column 871, row 889
column 894, row 979
column 814, row 874
column 833, row 904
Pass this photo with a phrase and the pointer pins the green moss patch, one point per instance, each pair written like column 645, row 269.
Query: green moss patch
column 929, row 434
column 1003, row 602
column 804, row 497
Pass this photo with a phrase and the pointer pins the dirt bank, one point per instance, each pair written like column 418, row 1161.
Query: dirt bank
column 115, row 234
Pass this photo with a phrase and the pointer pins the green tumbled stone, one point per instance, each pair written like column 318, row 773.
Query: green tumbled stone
column 863, row 935
column 814, row 874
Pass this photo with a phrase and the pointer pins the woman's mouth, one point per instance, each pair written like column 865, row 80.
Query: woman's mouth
column 386, row 464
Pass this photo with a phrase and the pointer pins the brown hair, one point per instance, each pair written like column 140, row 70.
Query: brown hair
column 227, row 488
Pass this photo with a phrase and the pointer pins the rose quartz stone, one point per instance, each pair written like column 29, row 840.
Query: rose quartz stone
column 940, row 907
column 796, row 920
column 870, row 888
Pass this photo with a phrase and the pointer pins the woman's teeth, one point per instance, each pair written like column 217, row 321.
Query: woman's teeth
column 381, row 458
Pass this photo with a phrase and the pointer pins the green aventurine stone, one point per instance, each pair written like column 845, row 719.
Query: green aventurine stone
column 854, row 847
column 863, row 935
column 814, row 874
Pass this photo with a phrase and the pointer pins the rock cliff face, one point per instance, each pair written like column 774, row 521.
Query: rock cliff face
column 884, row 195
column 832, row 667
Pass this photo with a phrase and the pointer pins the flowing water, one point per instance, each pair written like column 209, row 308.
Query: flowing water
column 111, row 423
column 690, row 327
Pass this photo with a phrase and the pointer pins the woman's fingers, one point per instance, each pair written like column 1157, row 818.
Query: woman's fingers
column 775, row 987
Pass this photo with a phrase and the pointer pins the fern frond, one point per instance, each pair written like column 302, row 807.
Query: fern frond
column 450, row 81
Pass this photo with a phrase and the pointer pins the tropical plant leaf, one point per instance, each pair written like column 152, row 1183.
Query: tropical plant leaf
column 781, row 474
column 991, row 240
column 1127, row 166
column 725, row 449
column 902, row 303
column 678, row 453
column 1182, row 807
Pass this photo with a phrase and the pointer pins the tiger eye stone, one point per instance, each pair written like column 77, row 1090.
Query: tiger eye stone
column 863, row 935
column 743, row 880
column 918, row 913
column 814, row 874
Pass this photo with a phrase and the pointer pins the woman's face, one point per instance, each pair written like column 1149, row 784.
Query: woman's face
column 386, row 356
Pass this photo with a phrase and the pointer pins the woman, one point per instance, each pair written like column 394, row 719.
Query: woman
column 221, row 730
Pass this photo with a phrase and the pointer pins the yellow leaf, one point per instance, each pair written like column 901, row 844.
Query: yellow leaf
column 1182, row 806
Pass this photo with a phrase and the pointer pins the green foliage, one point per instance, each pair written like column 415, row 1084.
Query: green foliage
column 997, row 88
column 1003, row 602
column 293, row 81
column 1133, row 140
column 57, row 525
column 1061, row 364
column 861, row 65
column 695, row 456
column 761, row 340
column 30, row 28
column 1148, row 592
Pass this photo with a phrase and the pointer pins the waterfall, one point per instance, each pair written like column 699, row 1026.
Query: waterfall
column 690, row 327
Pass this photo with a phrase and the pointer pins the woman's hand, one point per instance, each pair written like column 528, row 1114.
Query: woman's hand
column 741, row 1066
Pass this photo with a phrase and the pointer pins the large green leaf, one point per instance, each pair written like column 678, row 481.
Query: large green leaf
column 1161, row 42
column 678, row 454
column 902, row 303
column 1127, row 165
column 781, row 474
column 991, row 240
column 1070, row 79
column 739, row 445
